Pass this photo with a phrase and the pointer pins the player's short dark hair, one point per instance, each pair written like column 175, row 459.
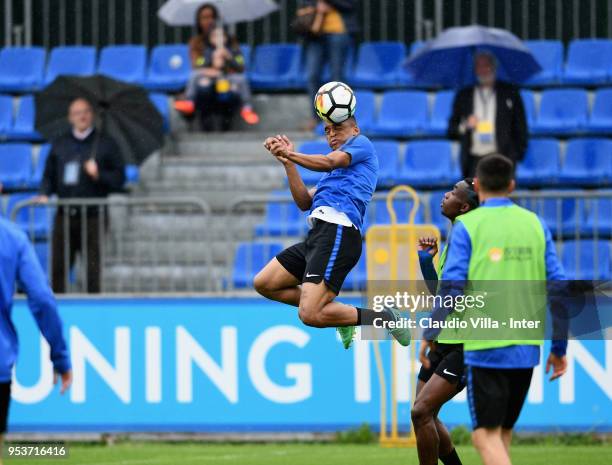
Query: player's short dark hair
column 472, row 196
column 495, row 173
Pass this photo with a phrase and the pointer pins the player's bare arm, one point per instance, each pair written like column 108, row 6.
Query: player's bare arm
column 335, row 159
column 300, row 193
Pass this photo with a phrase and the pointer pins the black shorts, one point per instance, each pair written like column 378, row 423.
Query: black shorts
column 329, row 252
column 446, row 361
column 5, row 399
column 496, row 395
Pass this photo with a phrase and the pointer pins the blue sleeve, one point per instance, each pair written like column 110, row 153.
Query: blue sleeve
column 359, row 148
column 42, row 304
column 454, row 275
column 428, row 271
column 555, row 277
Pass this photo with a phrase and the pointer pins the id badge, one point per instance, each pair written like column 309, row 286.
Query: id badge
column 72, row 171
column 485, row 132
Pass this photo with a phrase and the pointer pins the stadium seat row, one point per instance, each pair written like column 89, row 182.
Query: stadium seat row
column 560, row 112
column 430, row 163
column 566, row 218
column 379, row 65
column 23, row 69
column 278, row 66
column 582, row 259
column 22, row 166
column 18, row 116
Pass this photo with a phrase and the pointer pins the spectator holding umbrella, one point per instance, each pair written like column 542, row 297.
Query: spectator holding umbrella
column 82, row 164
column 488, row 118
column 218, row 78
column 484, row 63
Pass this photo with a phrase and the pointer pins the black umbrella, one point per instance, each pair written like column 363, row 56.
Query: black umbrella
column 124, row 113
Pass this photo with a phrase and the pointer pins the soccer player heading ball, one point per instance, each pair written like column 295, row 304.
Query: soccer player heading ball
column 309, row 275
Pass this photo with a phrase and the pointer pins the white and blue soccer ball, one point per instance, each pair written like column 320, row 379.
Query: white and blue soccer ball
column 335, row 102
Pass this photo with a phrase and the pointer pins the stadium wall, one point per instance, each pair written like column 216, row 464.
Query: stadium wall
column 246, row 365
column 50, row 23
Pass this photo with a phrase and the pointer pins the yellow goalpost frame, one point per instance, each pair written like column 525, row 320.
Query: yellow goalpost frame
column 392, row 257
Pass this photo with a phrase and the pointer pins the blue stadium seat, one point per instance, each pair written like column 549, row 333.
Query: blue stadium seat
column 250, row 258
column 600, row 121
column 388, row 161
column 70, row 61
column 379, row 214
column 587, row 260
column 357, row 279
column 282, row 218
column 588, row 162
column 169, row 68
column 378, row 64
column 428, row 163
column 562, row 216
column 588, row 62
column 34, row 220
column 309, row 177
column 124, row 62
column 442, row 109
column 529, row 105
column 598, row 218
column 394, row 119
column 22, row 69
column 39, row 169
column 6, row 114
column 404, row 78
column 161, row 103
column 15, row 165
column 276, row 66
column 562, row 111
column 549, row 54
column 541, row 164
column 23, row 127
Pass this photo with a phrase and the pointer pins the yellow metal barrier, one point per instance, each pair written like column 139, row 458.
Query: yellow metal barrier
column 392, row 257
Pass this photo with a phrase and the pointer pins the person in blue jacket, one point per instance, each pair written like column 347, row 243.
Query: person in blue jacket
column 19, row 264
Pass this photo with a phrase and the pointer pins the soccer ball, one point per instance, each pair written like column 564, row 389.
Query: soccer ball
column 335, row 102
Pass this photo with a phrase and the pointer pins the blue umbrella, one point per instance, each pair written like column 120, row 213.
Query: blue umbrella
column 448, row 59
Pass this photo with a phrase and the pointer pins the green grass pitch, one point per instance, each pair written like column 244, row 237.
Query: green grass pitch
column 303, row 454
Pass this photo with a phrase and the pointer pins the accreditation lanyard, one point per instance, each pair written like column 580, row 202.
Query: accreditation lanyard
column 485, row 125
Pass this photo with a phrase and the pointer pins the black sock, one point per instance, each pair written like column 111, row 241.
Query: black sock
column 451, row 459
column 366, row 317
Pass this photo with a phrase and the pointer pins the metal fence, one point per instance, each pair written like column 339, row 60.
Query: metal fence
column 123, row 244
column 102, row 22
column 580, row 221
column 158, row 245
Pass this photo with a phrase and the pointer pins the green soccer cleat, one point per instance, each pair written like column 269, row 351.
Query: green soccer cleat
column 347, row 333
column 401, row 335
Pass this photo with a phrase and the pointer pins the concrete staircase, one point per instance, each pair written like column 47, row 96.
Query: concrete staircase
column 182, row 251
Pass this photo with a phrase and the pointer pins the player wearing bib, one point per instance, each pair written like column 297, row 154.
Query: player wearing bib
column 310, row 274
column 500, row 241
column 441, row 374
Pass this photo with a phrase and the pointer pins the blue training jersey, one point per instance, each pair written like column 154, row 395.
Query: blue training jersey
column 350, row 189
column 18, row 263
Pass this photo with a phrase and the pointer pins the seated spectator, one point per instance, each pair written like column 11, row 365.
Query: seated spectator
column 218, row 84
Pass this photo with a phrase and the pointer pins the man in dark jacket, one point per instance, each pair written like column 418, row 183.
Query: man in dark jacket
column 488, row 118
column 82, row 164
column 335, row 30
